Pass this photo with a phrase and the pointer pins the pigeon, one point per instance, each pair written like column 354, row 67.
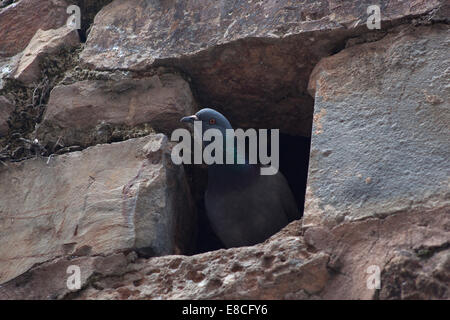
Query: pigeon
column 244, row 207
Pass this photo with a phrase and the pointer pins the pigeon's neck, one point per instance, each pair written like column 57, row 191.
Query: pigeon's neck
column 240, row 169
column 227, row 176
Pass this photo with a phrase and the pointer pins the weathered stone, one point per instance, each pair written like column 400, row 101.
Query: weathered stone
column 20, row 21
column 289, row 266
column 296, row 263
column 43, row 43
column 180, row 30
column 356, row 246
column 105, row 199
column 248, row 59
column 76, row 113
column 265, row 271
column 380, row 135
column 378, row 183
column 6, row 107
column 410, row 277
column 49, row 279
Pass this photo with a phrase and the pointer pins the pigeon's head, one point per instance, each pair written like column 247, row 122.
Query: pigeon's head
column 211, row 119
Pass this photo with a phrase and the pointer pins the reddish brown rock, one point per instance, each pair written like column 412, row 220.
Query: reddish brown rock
column 105, row 199
column 377, row 187
column 289, row 266
column 251, row 60
column 354, row 247
column 410, row 277
column 87, row 112
column 43, row 43
column 20, row 21
column 280, row 268
column 51, row 277
column 296, row 263
column 177, row 30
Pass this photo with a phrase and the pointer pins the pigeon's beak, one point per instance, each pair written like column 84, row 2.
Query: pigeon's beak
column 189, row 119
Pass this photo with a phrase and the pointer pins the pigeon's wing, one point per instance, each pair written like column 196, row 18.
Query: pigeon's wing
column 287, row 198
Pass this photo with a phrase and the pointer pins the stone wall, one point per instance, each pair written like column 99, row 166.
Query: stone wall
column 86, row 177
column 381, row 127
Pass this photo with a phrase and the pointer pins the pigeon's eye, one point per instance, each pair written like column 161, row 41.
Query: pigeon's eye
column 212, row 121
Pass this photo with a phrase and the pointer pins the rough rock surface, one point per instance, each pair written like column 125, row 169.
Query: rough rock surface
column 261, row 271
column 76, row 113
column 378, row 177
column 184, row 28
column 6, row 107
column 105, row 199
column 249, row 59
column 20, row 21
column 43, row 43
column 296, row 263
column 410, row 277
column 380, row 132
column 355, row 246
